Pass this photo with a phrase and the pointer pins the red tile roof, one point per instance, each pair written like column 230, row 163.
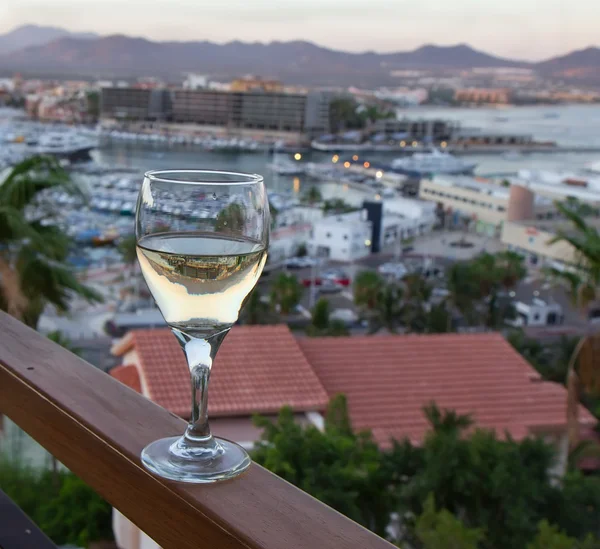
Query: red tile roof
column 258, row 369
column 388, row 379
column 128, row 374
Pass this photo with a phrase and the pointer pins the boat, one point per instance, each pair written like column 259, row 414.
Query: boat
column 433, row 162
column 65, row 145
column 285, row 166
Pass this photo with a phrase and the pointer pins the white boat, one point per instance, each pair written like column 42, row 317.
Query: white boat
column 433, row 162
column 65, row 144
column 285, row 166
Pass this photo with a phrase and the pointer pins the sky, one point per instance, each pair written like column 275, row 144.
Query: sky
column 522, row 29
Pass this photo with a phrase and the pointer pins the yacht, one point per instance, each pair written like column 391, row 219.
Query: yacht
column 433, row 162
column 69, row 145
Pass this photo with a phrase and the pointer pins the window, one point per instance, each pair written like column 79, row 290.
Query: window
column 345, row 237
column 536, row 316
column 328, row 235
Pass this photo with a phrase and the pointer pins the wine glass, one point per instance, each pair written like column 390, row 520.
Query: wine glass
column 202, row 239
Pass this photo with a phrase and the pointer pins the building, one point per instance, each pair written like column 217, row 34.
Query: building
column 537, row 312
column 135, row 104
column 481, row 203
column 252, row 84
column 533, row 239
column 255, row 110
column 417, row 129
column 344, row 237
column 483, row 95
column 195, row 81
column 261, row 368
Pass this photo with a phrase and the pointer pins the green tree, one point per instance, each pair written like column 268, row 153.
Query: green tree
column 33, row 250
column 302, row 250
column 496, row 273
column 337, row 206
column 583, row 282
column 417, row 293
column 442, row 530
column 256, row 311
column 93, row 104
column 286, row 293
column 389, row 312
column 321, row 325
column 551, row 537
column 344, row 115
column 338, row 467
column 69, row 512
column 367, row 285
column 320, row 315
column 312, row 196
column 463, row 291
column 438, row 319
column 231, row 219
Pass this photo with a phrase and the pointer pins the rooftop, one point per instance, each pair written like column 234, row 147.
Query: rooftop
column 259, row 369
column 388, row 380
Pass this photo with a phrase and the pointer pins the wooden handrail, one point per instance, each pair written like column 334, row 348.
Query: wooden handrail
column 97, row 427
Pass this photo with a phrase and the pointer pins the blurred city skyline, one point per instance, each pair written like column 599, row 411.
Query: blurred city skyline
column 518, row 29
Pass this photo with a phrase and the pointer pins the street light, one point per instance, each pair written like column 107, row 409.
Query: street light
column 367, row 164
column 443, row 144
column 403, row 143
column 414, row 143
column 355, row 157
column 367, row 242
column 335, row 158
column 379, row 174
column 297, row 156
column 346, row 164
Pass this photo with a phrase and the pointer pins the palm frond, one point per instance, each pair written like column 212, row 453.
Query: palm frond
column 26, row 179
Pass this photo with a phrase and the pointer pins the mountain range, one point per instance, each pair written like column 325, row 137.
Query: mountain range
column 51, row 51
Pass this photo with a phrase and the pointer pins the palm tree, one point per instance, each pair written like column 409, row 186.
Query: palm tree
column 389, row 311
column 417, row 293
column 286, row 293
column 463, row 291
column 367, row 285
column 583, row 282
column 313, row 196
column 255, row 310
column 33, row 250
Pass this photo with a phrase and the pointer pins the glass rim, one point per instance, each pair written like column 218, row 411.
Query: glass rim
column 239, row 178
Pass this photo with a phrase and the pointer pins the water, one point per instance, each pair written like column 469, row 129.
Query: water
column 568, row 125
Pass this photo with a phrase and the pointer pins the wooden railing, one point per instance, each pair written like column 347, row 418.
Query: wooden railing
column 97, row 427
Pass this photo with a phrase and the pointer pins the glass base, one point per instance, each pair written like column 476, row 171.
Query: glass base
column 172, row 458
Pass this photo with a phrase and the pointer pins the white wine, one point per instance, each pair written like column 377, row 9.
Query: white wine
column 200, row 280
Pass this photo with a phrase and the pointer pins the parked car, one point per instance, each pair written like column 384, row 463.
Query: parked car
column 336, row 275
column 329, row 287
column 394, row 270
column 299, row 262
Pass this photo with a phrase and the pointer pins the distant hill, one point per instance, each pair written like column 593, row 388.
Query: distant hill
column 293, row 62
column 34, row 35
column 579, row 65
column 48, row 51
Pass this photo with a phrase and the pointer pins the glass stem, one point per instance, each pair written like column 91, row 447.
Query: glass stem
column 199, row 353
column 198, row 428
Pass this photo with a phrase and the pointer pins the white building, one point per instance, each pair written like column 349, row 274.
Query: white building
column 195, row 81
column 537, row 313
column 348, row 237
column 344, row 237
